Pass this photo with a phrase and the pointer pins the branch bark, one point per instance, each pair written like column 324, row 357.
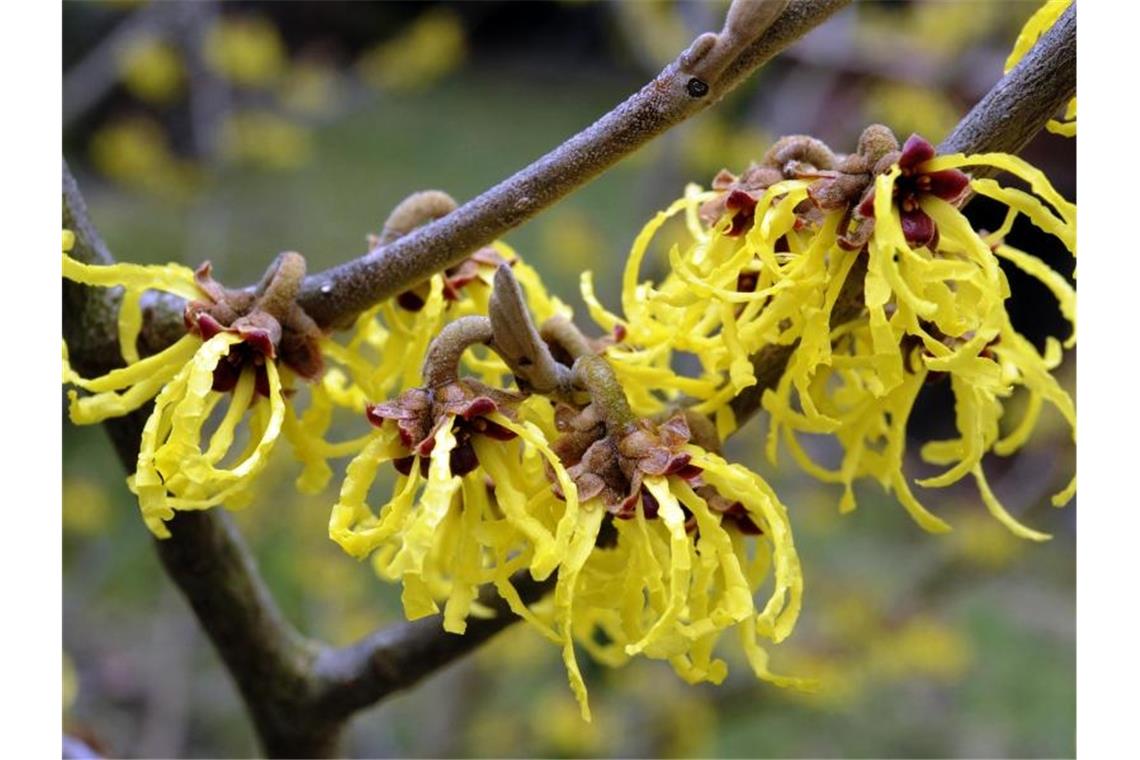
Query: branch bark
column 720, row 62
column 1005, row 120
column 399, row 656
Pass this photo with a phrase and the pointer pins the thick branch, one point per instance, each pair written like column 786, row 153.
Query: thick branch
column 1018, row 106
column 1005, row 120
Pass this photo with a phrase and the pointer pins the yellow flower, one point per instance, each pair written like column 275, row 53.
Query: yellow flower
column 247, row 51
column 152, row 70
column 935, row 296
column 1038, row 24
column 177, row 468
column 263, row 138
column 428, row 49
column 136, row 152
column 445, row 531
column 696, row 573
column 735, row 288
column 765, row 269
column 445, row 442
column 651, row 539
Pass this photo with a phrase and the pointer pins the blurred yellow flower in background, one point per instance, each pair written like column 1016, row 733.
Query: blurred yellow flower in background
column 136, row 152
column 431, row 47
column 246, row 50
column 152, row 70
column 86, row 506
column 265, row 139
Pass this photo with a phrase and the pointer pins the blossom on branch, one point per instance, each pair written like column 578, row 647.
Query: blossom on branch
column 650, row 535
column 245, row 348
column 935, row 308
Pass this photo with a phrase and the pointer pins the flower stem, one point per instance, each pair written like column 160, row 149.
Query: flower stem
column 563, row 333
column 441, row 366
column 596, row 375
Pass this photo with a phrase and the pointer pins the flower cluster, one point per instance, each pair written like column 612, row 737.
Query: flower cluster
column 504, row 443
column 256, row 355
column 859, row 277
column 643, row 533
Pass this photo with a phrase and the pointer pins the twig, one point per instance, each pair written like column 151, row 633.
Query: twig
column 336, row 295
column 713, row 66
column 1017, row 107
column 1005, row 120
column 399, row 656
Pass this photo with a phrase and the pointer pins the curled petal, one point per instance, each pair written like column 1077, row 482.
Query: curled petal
column 915, row 151
column 948, row 184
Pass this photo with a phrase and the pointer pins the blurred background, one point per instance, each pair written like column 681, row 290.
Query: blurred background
column 233, row 131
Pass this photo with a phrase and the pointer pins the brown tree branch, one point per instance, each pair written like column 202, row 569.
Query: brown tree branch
column 702, row 75
column 1017, row 107
column 1005, row 120
column 399, row 656
column 333, row 296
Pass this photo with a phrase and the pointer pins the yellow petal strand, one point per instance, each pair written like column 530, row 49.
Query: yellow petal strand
column 680, row 566
column 420, row 532
column 546, row 561
column 169, row 278
column 605, row 319
column 1066, row 494
column 351, row 508
column 226, row 484
column 734, row 482
column 736, row 599
column 223, row 437
column 997, row 510
column 1039, row 23
column 495, row 458
column 629, row 285
column 1065, row 294
column 1033, row 209
column 758, row 660
column 143, row 380
column 1020, row 434
column 146, row 482
column 190, row 412
column 467, row 562
column 130, row 325
column 1019, row 167
column 585, row 536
